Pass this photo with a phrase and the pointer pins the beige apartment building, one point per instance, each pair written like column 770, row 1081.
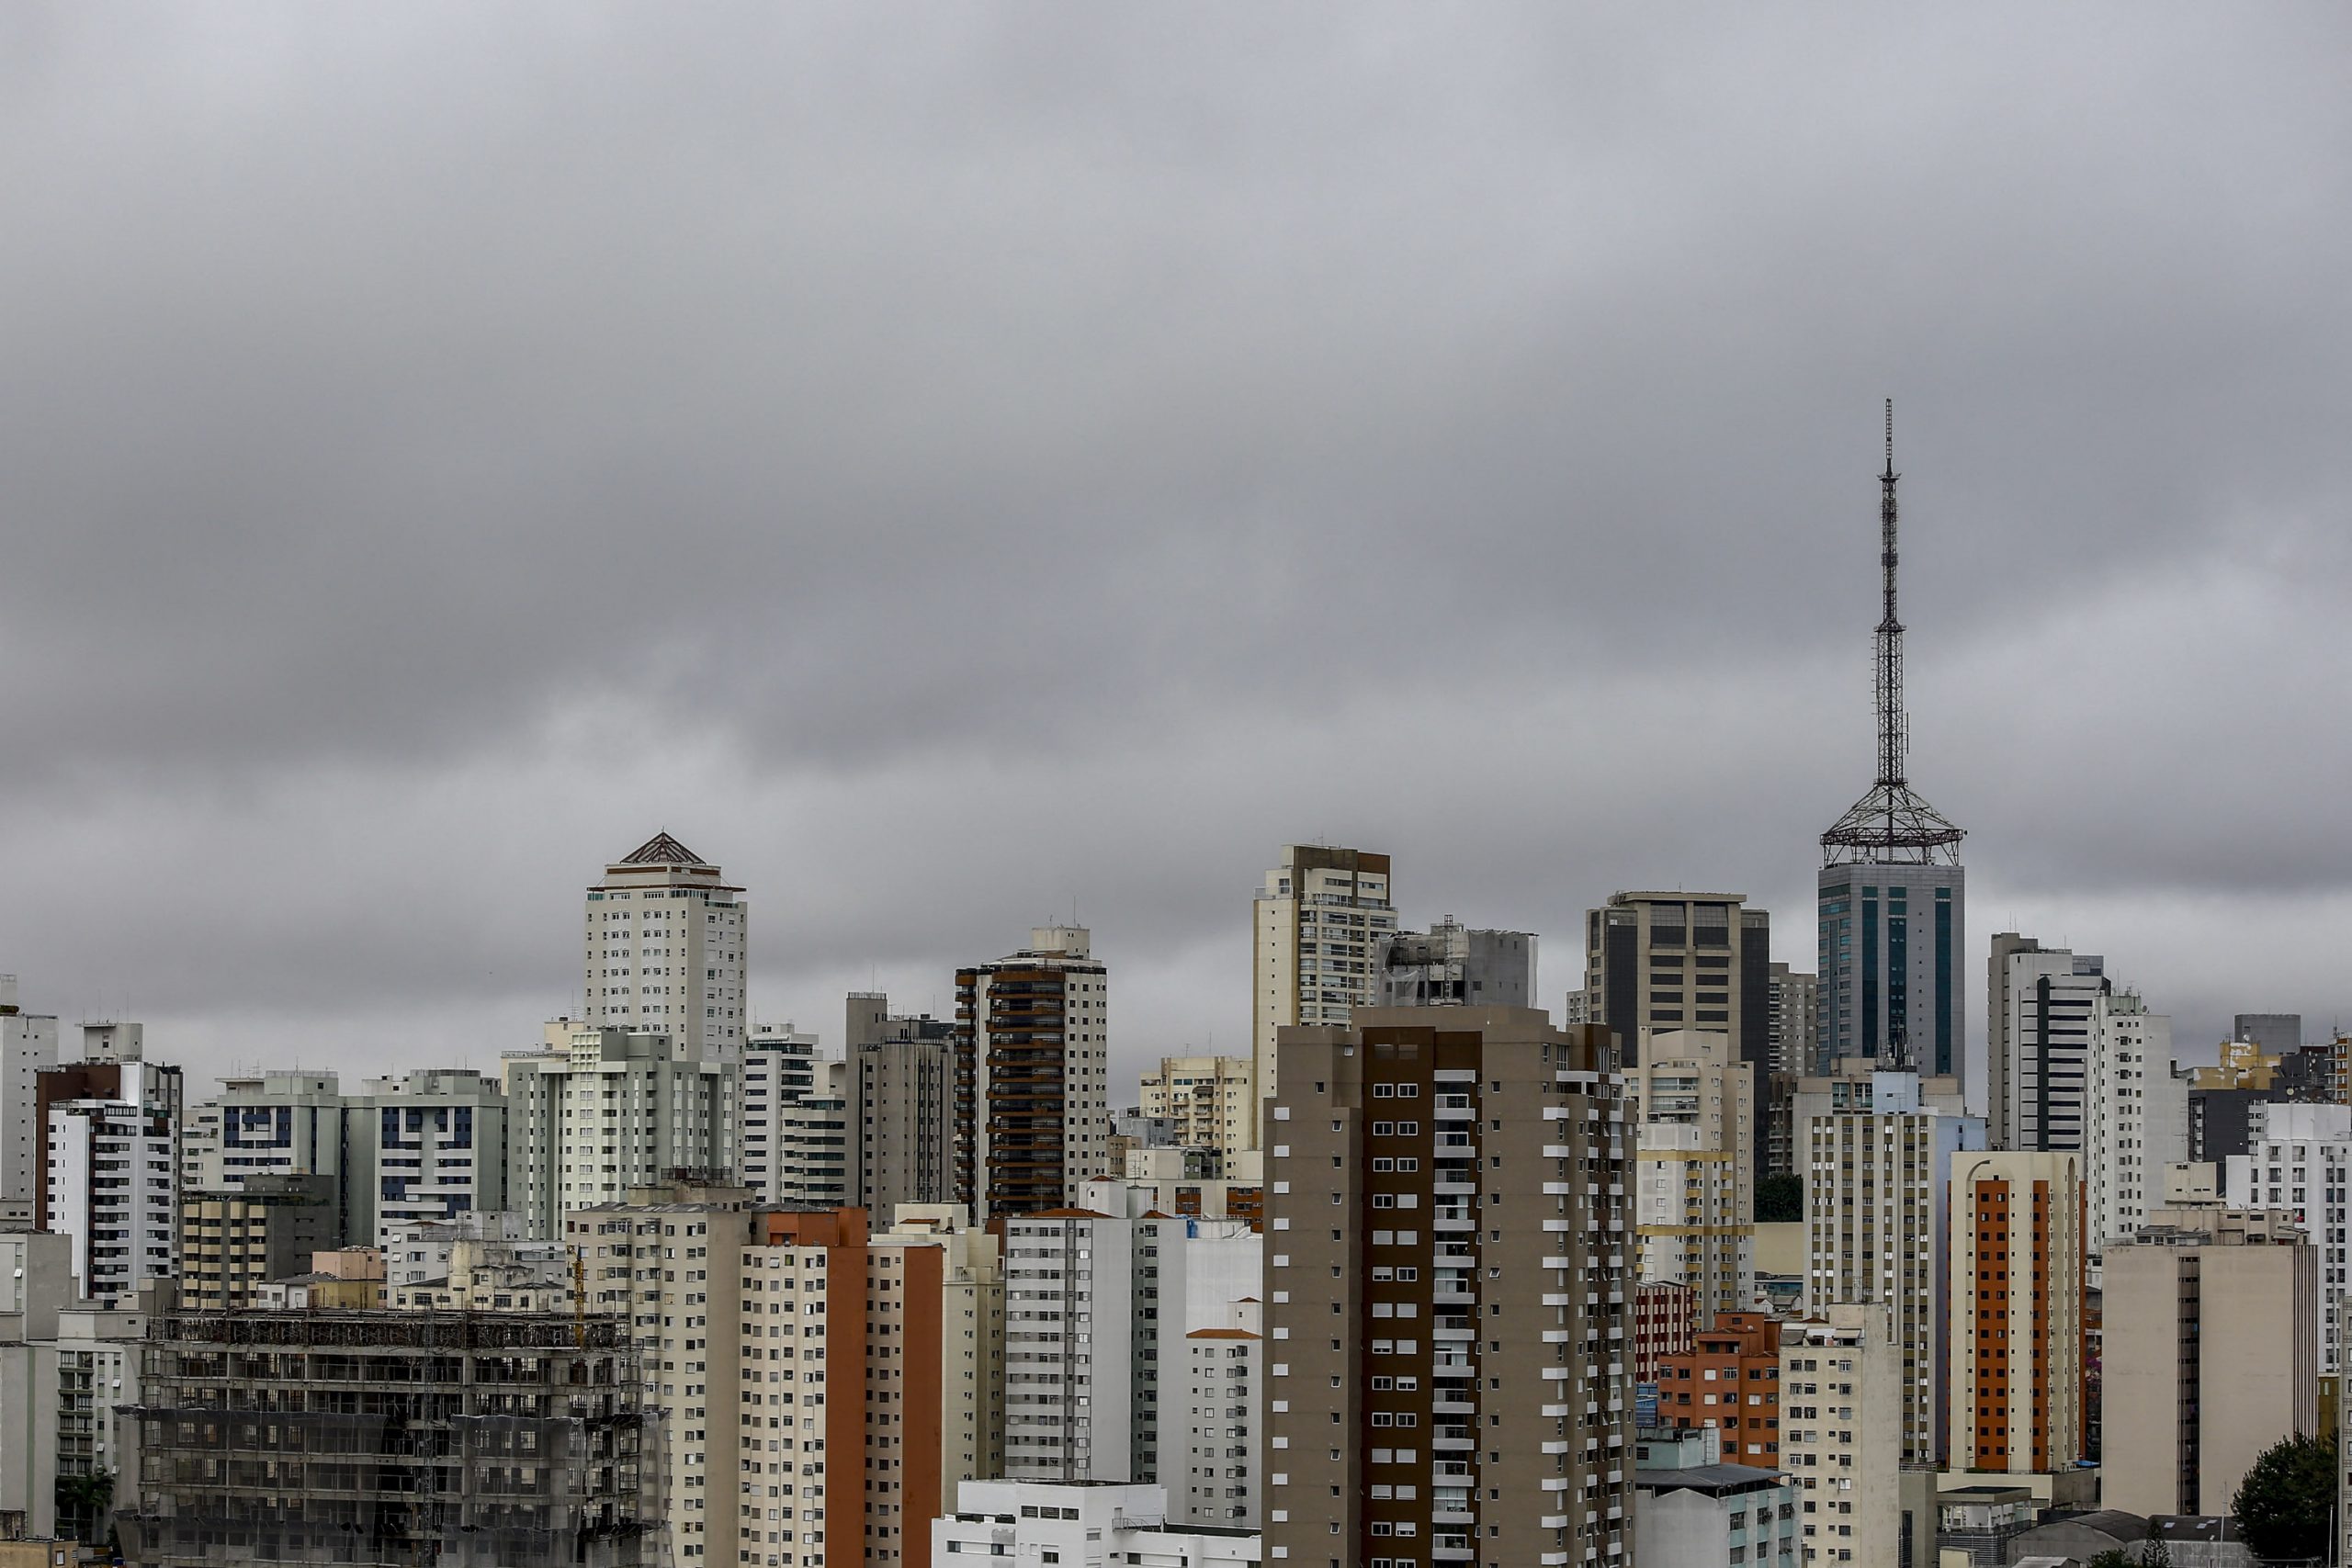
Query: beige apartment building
column 1206, row 1098
column 235, row 1240
column 2210, row 1355
column 1320, row 926
column 2018, row 1272
column 826, row 1389
column 1449, row 1274
column 1695, row 1194
column 1841, row 1421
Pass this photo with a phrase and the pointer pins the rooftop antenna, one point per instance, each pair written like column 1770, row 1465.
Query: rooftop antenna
column 1891, row 825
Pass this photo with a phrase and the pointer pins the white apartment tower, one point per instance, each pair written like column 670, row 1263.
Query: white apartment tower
column 603, row 1110
column 2299, row 1159
column 779, row 1068
column 664, row 949
column 111, row 1182
column 1098, row 1314
column 440, row 1147
column 1877, row 1168
column 2140, row 1118
column 1321, row 925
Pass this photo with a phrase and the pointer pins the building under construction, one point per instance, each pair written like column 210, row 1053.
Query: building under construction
column 464, row 1440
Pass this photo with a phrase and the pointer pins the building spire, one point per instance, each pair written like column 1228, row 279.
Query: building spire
column 1891, row 825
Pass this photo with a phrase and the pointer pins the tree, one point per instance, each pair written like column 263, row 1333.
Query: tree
column 2284, row 1504
column 83, row 1502
column 1779, row 1199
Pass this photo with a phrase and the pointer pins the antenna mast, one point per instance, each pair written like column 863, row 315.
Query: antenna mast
column 1891, row 825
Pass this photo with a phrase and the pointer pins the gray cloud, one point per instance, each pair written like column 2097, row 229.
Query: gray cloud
column 944, row 466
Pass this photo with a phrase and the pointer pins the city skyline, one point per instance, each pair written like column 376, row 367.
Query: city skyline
column 322, row 706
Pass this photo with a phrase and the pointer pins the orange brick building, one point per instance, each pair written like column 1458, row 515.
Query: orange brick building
column 1729, row 1379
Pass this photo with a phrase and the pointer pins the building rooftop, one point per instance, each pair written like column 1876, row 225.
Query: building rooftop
column 1717, row 1480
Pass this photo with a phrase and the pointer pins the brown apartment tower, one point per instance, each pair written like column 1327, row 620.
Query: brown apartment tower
column 1450, row 1262
column 1031, row 1109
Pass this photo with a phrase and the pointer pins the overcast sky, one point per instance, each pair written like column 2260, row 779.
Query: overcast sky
column 953, row 465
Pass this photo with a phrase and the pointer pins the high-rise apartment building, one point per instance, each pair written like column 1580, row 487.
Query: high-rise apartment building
column 2048, row 1039
column 28, row 1044
column 1841, row 1420
column 2209, row 1355
column 826, row 1388
column 440, row 1145
column 664, row 949
column 816, row 1143
column 779, row 1068
column 2299, row 1160
column 112, row 1181
column 1031, row 1109
column 292, row 1123
column 603, row 1110
column 2140, row 1118
column 1449, row 1274
column 1320, row 925
column 1792, row 1022
column 1892, row 896
column 1451, row 965
column 903, row 1078
column 1206, row 1101
column 1097, row 1309
column 2018, row 1276
column 1877, row 1153
column 1695, row 1196
column 1222, row 1403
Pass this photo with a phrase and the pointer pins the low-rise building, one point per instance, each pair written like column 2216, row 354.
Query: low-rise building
column 1080, row 1523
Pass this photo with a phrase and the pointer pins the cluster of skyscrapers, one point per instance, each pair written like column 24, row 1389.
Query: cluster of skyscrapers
column 1732, row 1262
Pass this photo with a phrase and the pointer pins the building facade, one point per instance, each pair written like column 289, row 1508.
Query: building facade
column 1097, row 1309
column 1841, row 1423
column 903, row 1069
column 1451, row 965
column 1695, row 1203
column 1729, row 1382
column 605, row 1111
column 1204, row 1101
column 1320, row 925
column 663, row 949
column 440, row 1145
column 1031, row 1109
column 1676, row 961
column 2299, row 1161
column 779, row 1068
column 1879, row 1155
column 27, row 1044
column 1888, row 963
column 2016, row 1342
column 475, row 1442
column 2209, row 1355
column 237, row 1239
column 1446, row 1348
column 1036, row 1521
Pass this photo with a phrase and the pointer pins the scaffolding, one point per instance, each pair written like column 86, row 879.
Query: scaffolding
column 397, row 1439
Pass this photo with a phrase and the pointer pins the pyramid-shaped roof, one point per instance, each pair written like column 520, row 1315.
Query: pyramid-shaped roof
column 661, row 850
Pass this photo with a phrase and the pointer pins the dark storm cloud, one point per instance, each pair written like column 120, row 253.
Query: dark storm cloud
column 948, row 463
